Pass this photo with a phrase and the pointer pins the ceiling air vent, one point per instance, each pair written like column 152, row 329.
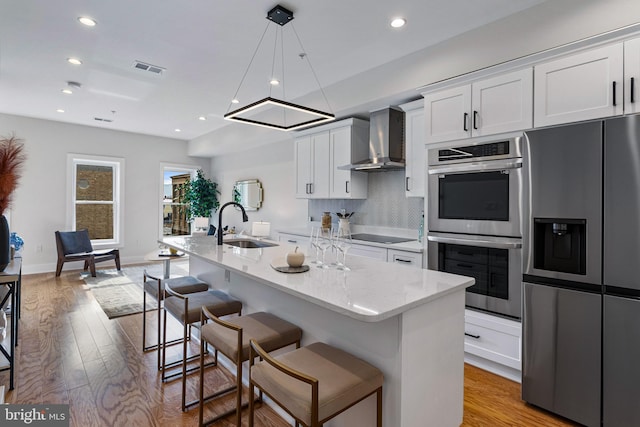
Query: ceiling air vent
column 148, row 67
column 100, row 119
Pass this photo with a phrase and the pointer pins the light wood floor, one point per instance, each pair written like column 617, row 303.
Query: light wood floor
column 70, row 352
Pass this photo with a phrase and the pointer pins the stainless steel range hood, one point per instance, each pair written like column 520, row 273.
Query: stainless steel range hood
column 386, row 143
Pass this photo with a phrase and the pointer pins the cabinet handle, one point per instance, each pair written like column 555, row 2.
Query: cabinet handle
column 406, row 184
column 292, row 241
column 614, row 94
column 633, row 90
column 464, row 265
column 311, row 188
column 475, row 120
column 346, row 187
column 472, row 336
column 406, row 261
column 307, row 188
column 464, row 122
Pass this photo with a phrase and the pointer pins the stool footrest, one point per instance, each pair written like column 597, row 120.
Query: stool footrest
column 178, row 374
column 226, row 413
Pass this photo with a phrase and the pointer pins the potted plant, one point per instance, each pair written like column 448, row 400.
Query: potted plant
column 201, row 194
column 11, row 159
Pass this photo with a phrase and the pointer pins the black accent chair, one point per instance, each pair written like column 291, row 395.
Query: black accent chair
column 76, row 246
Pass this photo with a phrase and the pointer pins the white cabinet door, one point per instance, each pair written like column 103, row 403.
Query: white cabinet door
column 447, row 114
column 345, row 184
column 632, row 76
column 414, row 153
column 368, row 251
column 587, row 85
column 502, row 104
column 319, row 188
column 413, row 259
column 304, row 167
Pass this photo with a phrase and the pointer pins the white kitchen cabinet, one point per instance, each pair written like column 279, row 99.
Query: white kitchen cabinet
column 374, row 252
column 499, row 104
column 294, row 239
column 312, row 170
column 414, row 148
column 413, row 259
column 583, row 86
column 632, row 76
column 321, row 151
column 493, row 343
column 346, row 184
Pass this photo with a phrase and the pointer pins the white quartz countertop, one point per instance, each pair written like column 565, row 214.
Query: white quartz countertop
column 411, row 246
column 372, row 291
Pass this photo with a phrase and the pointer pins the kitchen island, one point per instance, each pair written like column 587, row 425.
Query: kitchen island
column 408, row 322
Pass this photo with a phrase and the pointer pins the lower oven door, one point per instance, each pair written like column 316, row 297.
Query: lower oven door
column 495, row 263
column 476, row 198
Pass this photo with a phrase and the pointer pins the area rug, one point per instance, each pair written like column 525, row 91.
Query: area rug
column 119, row 293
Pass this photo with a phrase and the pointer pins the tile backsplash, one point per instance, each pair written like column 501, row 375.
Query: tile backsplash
column 386, row 204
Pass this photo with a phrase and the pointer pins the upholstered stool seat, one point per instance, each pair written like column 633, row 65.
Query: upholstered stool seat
column 338, row 381
column 231, row 338
column 155, row 287
column 186, row 309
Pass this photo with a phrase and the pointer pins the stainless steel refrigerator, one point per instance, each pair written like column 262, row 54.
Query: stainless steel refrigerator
column 581, row 282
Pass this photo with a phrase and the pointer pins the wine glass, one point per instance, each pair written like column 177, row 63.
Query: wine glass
column 323, row 241
column 313, row 244
column 342, row 242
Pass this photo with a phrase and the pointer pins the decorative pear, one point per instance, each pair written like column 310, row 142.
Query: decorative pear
column 295, row 258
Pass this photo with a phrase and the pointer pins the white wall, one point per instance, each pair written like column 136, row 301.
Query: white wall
column 273, row 165
column 39, row 206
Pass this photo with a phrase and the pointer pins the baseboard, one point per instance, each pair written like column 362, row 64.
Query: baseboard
column 51, row 266
column 493, row 367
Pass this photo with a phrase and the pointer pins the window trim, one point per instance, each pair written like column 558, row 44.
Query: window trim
column 118, row 164
column 191, row 169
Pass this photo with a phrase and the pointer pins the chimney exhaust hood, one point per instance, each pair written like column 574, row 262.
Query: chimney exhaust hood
column 386, row 143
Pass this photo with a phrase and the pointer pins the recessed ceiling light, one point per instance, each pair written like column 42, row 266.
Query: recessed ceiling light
column 74, row 61
column 60, row 110
column 178, row 130
column 274, row 82
column 203, row 118
column 398, row 22
column 85, row 20
column 235, row 101
column 67, row 91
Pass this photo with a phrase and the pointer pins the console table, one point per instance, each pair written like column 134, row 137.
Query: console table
column 11, row 277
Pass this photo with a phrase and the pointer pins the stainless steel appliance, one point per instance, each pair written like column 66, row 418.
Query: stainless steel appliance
column 581, row 317
column 475, row 188
column 475, row 197
column 376, row 238
column 562, row 288
column 495, row 262
column 386, row 143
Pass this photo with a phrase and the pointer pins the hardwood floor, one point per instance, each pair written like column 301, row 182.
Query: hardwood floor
column 70, row 352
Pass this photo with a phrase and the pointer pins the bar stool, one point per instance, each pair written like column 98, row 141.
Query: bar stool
column 155, row 287
column 338, row 381
column 186, row 309
column 231, row 338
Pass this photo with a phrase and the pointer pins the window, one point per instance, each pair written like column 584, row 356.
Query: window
column 95, row 199
column 173, row 208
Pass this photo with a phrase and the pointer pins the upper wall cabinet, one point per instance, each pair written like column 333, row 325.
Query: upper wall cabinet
column 319, row 154
column 632, row 76
column 583, row 86
column 414, row 148
column 503, row 103
column 312, row 166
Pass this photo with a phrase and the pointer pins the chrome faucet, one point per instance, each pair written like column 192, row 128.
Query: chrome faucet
column 245, row 218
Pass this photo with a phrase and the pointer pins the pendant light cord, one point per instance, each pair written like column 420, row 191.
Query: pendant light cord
column 235, row 96
column 324, row 95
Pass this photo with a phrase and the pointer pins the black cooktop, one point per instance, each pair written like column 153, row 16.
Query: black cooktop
column 379, row 239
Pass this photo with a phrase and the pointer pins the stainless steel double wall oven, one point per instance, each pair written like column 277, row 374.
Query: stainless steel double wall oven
column 475, row 218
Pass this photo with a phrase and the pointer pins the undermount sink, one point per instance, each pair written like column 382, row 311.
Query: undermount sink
column 248, row 243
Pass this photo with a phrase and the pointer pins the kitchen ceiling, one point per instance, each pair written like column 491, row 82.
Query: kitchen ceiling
column 202, row 48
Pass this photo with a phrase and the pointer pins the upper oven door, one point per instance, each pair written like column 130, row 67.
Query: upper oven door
column 481, row 197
